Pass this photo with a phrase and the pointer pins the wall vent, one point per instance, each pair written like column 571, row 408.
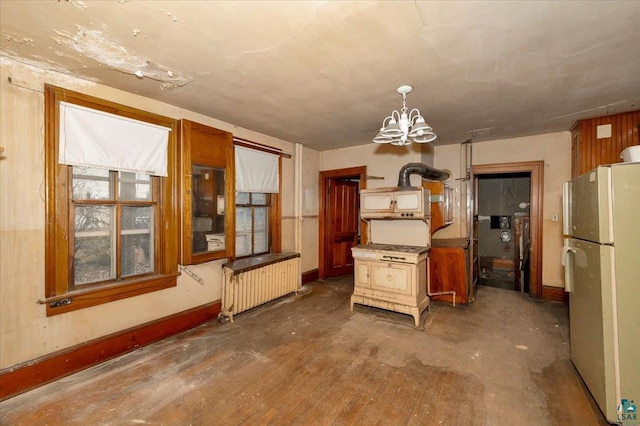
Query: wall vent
column 483, row 133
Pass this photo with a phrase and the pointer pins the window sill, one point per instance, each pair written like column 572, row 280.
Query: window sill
column 258, row 261
column 97, row 295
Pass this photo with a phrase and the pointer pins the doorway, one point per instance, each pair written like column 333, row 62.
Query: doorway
column 504, row 237
column 508, row 221
column 340, row 225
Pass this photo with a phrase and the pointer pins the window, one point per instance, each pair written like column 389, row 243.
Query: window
column 207, row 222
column 252, row 223
column 111, row 207
column 257, row 198
column 110, row 234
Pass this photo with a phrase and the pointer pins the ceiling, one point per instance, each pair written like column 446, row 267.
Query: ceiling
column 325, row 73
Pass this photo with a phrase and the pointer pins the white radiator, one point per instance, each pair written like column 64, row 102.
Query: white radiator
column 246, row 285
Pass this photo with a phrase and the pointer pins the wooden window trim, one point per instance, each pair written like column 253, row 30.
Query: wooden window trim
column 217, row 152
column 59, row 294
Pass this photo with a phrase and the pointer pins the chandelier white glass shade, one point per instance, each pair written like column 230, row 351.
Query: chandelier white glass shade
column 401, row 128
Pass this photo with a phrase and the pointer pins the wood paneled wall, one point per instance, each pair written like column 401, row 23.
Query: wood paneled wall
column 589, row 152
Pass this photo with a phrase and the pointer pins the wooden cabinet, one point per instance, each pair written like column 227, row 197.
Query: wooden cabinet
column 449, row 270
column 590, row 150
column 385, row 203
column 441, row 199
column 208, row 228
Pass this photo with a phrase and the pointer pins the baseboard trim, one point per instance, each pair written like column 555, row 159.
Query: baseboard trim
column 310, row 276
column 40, row 371
column 554, row 294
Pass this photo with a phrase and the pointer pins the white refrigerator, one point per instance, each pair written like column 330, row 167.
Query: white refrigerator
column 601, row 256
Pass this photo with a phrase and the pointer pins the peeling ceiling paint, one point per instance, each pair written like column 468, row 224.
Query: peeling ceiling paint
column 96, row 45
column 325, row 73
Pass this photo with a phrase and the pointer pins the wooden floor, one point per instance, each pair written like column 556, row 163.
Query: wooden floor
column 309, row 360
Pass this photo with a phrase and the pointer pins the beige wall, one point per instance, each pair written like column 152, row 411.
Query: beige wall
column 381, row 160
column 25, row 330
column 449, row 157
column 309, row 214
column 555, row 150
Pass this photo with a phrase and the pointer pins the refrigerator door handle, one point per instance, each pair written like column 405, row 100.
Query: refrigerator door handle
column 566, row 208
column 568, row 268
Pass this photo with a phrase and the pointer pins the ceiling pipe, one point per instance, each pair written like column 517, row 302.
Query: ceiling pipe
column 427, row 172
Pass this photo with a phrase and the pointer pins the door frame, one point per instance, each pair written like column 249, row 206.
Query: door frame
column 536, row 169
column 326, row 176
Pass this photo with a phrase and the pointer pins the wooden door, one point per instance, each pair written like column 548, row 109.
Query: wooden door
column 342, row 226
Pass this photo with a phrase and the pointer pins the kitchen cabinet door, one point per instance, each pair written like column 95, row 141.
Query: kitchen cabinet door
column 386, row 203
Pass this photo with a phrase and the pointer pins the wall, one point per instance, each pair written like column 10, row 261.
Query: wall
column 555, row 150
column 301, row 233
column 309, row 214
column 25, row 331
column 589, row 151
column 450, row 157
column 382, row 161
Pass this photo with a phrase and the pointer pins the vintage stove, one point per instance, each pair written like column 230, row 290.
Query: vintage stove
column 391, row 271
column 392, row 277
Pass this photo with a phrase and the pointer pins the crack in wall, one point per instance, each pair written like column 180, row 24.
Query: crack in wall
column 290, row 38
column 270, row 48
column 170, row 15
column 477, row 68
column 607, row 106
column 78, row 3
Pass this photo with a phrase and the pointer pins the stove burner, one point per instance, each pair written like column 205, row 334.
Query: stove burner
column 396, row 248
column 403, row 249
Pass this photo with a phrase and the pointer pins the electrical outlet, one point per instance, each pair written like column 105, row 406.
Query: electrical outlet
column 554, row 217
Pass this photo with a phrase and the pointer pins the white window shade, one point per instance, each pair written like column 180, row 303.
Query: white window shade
column 93, row 138
column 256, row 171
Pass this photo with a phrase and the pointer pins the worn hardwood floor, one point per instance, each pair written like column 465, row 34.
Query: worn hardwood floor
column 309, row 360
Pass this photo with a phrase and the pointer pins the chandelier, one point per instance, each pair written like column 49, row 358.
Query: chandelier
column 400, row 129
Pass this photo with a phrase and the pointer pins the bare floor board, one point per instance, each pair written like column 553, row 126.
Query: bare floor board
column 308, row 359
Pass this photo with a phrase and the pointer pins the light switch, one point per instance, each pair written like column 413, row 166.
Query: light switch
column 554, row 217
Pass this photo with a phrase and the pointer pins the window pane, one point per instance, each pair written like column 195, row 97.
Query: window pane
column 243, row 244
column 137, row 220
column 91, row 184
column 258, row 198
column 242, row 197
column 260, row 230
column 94, row 244
column 135, row 186
column 260, row 218
column 137, row 240
column 260, row 242
column 243, row 219
column 243, row 231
